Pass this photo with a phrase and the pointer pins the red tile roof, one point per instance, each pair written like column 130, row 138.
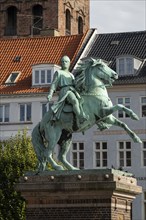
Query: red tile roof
column 33, row 51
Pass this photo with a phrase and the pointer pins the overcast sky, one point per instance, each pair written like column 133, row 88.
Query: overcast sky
column 111, row 16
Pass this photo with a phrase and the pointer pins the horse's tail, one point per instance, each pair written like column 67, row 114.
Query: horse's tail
column 38, row 144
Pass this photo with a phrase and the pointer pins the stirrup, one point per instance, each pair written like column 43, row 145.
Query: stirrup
column 84, row 118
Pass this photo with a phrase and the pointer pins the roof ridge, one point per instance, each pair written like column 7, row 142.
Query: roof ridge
column 128, row 32
column 40, row 37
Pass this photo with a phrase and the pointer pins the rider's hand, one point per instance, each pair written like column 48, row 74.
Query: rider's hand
column 49, row 97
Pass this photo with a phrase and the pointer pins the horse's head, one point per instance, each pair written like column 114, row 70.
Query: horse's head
column 103, row 71
column 94, row 71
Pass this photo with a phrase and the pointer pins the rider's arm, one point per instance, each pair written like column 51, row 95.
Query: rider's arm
column 54, row 85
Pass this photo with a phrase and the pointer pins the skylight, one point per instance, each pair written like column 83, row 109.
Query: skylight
column 13, row 77
column 17, row 59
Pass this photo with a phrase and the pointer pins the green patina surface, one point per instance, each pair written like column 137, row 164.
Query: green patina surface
column 83, row 102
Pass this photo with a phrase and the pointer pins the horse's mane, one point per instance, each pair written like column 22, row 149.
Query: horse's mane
column 81, row 74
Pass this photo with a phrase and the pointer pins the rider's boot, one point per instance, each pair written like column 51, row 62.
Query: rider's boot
column 83, row 118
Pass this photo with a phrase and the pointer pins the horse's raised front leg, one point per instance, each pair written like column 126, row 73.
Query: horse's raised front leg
column 110, row 110
column 52, row 136
column 64, row 148
column 114, row 121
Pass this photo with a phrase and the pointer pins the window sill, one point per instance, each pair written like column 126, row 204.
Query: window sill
column 15, row 123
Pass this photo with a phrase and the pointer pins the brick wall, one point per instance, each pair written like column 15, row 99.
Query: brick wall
column 53, row 15
column 69, row 213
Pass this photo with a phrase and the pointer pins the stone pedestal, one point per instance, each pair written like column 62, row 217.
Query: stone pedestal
column 75, row 195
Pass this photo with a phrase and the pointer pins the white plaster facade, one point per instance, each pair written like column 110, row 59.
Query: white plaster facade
column 111, row 136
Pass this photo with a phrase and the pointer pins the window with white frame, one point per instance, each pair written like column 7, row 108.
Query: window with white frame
column 42, row 74
column 13, row 77
column 144, row 205
column 25, row 112
column 4, row 113
column 126, row 102
column 144, row 153
column 124, row 149
column 78, row 155
column 46, row 107
column 127, row 65
column 100, row 149
column 143, row 106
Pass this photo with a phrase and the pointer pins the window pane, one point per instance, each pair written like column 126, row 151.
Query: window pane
column 145, row 209
column 97, row 159
column 104, row 163
column 48, row 76
column 121, row 154
column 129, row 65
column 121, row 145
column 97, row 163
column 104, row 155
column 121, row 66
column 144, row 144
column 22, row 112
column 143, row 110
column 74, row 146
column 104, row 145
column 6, row 113
column 36, row 76
column 13, row 77
column 127, row 100
column 42, row 76
column 128, row 160
column 120, row 100
column 81, row 155
column 28, row 112
column 144, row 158
column 120, row 114
column 81, row 146
column 75, row 163
column 128, row 145
column 143, row 100
column 121, row 163
column 126, row 115
column 74, row 155
column 97, row 146
column 1, row 113
column 97, row 155
column 128, row 163
column 128, row 154
column 81, row 166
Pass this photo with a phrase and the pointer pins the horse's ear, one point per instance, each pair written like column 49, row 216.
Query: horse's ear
column 95, row 62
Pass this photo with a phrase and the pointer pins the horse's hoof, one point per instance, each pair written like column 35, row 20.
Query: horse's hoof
column 134, row 116
column 73, row 168
column 58, row 168
column 137, row 140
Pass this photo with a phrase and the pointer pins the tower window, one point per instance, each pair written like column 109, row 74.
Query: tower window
column 37, row 12
column 11, row 24
column 80, row 25
column 68, row 22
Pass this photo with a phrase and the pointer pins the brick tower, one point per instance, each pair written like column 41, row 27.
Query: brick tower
column 25, row 18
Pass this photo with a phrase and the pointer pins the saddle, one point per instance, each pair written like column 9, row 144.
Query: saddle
column 67, row 108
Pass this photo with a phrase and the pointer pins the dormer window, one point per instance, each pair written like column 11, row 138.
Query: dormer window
column 12, row 78
column 127, row 65
column 42, row 74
